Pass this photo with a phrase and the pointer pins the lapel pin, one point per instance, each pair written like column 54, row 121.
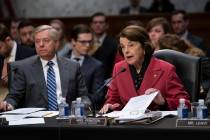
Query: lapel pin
column 155, row 75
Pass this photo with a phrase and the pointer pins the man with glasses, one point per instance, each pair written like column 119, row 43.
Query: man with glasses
column 92, row 69
column 105, row 46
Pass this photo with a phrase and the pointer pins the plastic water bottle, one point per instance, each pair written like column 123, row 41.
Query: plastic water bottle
column 73, row 105
column 202, row 110
column 79, row 108
column 63, row 108
column 182, row 109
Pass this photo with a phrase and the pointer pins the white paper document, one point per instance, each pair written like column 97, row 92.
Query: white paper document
column 168, row 113
column 139, row 102
column 27, row 121
column 25, row 116
column 113, row 114
column 135, row 107
column 23, row 111
column 13, row 117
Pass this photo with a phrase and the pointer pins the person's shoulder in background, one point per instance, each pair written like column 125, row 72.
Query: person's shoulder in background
column 207, row 7
column 126, row 10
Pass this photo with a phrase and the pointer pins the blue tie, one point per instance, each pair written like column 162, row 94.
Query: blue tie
column 51, row 87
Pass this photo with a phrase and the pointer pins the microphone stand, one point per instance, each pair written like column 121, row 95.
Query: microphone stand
column 107, row 81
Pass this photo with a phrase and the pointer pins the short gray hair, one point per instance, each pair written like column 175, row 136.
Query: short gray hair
column 52, row 31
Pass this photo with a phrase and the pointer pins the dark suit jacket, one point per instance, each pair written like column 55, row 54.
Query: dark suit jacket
column 29, row 89
column 21, row 53
column 93, row 72
column 126, row 10
column 159, row 74
column 106, row 54
column 197, row 41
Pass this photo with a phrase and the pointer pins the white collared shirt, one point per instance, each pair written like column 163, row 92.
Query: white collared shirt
column 12, row 55
column 81, row 58
column 57, row 75
column 101, row 39
column 184, row 36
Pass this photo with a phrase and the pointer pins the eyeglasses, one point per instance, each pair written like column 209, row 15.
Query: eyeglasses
column 85, row 42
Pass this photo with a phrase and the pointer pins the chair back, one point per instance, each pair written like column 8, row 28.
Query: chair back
column 187, row 67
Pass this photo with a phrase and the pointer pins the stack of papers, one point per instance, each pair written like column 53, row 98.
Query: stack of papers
column 134, row 109
column 23, row 116
column 23, row 111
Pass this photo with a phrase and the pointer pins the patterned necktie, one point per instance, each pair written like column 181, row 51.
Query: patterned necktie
column 51, row 87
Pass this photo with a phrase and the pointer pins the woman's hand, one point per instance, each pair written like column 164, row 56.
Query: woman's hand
column 108, row 107
column 159, row 100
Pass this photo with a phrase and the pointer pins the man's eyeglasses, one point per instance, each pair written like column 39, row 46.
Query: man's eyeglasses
column 86, row 42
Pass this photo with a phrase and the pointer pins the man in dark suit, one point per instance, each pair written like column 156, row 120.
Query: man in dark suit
column 105, row 46
column 133, row 9
column 9, row 51
column 25, row 30
column 41, row 80
column 91, row 68
column 180, row 22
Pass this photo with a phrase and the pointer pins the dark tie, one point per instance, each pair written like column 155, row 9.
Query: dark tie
column 77, row 59
column 51, row 87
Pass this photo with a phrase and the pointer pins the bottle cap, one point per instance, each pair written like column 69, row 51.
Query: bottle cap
column 181, row 100
column 201, row 101
column 79, row 99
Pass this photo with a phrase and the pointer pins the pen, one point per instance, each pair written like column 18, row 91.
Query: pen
column 47, row 114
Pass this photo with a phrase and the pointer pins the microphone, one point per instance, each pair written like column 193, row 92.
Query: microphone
column 122, row 69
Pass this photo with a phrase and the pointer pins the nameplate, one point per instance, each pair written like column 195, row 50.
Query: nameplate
column 193, row 123
column 88, row 121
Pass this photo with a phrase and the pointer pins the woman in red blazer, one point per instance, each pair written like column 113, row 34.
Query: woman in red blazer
column 144, row 74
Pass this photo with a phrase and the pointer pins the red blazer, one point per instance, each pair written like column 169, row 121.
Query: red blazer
column 159, row 74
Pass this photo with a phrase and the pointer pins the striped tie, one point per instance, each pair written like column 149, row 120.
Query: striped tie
column 51, row 87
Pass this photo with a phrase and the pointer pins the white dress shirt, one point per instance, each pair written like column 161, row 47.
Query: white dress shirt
column 12, row 55
column 80, row 57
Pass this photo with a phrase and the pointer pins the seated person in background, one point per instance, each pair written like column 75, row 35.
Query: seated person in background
column 25, row 30
column 14, row 29
column 105, row 46
column 41, row 80
column 91, row 68
column 207, row 7
column 156, row 28
column 171, row 41
column 161, row 6
column 144, row 74
column 64, row 45
column 133, row 9
column 180, row 22
column 10, row 51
